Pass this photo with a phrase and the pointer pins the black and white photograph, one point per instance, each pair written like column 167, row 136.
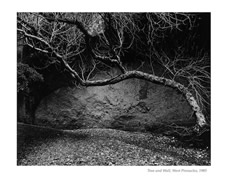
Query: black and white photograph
column 113, row 92
column 113, row 88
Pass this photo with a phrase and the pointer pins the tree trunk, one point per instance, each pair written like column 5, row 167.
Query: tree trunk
column 201, row 122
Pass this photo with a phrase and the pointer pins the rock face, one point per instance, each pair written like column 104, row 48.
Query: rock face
column 132, row 104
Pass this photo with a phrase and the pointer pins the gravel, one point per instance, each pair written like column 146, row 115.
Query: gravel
column 43, row 146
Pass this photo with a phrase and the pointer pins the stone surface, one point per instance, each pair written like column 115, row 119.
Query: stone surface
column 129, row 105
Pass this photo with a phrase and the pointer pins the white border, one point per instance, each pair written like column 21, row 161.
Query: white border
column 10, row 173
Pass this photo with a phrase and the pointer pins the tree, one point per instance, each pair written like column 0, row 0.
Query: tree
column 81, row 43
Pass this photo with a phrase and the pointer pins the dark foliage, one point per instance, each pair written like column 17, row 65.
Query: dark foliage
column 26, row 77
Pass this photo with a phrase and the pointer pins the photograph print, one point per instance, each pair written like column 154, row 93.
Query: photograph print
column 113, row 89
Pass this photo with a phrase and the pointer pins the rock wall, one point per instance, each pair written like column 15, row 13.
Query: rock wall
column 132, row 104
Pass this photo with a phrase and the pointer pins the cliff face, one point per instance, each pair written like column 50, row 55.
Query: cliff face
column 132, row 104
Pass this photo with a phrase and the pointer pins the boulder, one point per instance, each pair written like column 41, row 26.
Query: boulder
column 128, row 105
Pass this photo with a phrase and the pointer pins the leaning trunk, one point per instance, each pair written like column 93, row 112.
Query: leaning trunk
column 201, row 122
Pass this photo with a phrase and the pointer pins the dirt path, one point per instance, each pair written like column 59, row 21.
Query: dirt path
column 42, row 146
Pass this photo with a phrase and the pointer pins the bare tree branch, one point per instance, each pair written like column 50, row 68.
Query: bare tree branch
column 87, row 38
column 58, row 56
column 161, row 80
column 102, row 39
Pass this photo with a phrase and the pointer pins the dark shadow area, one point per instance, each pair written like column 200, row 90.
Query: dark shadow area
column 29, row 136
column 185, row 135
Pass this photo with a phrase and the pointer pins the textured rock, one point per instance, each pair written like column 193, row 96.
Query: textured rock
column 129, row 105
